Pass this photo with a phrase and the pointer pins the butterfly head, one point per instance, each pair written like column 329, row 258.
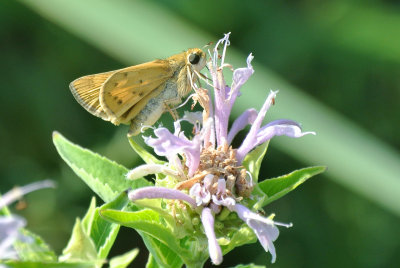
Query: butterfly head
column 196, row 58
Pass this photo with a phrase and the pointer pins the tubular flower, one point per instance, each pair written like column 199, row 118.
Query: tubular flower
column 207, row 171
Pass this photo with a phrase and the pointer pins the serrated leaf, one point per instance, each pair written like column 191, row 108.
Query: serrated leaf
column 277, row 187
column 147, row 157
column 252, row 161
column 105, row 177
column 33, row 248
column 42, row 264
column 80, row 247
column 124, row 260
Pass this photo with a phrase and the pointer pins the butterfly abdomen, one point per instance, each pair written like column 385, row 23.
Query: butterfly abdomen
column 155, row 107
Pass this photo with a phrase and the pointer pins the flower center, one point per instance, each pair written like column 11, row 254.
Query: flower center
column 217, row 164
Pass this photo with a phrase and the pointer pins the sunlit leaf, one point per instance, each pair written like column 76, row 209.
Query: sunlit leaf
column 105, row 177
column 80, row 247
column 33, row 248
column 277, row 187
column 252, row 161
column 145, row 155
column 103, row 232
column 124, row 260
column 162, row 242
column 163, row 256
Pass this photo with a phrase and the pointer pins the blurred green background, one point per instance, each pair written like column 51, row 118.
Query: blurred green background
column 336, row 64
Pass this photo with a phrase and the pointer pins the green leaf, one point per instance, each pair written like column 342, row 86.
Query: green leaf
column 105, row 177
column 162, row 255
column 161, row 241
column 124, row 260
column 42, row 264
column 277, row 187
column 151, row 262
column 252, row 161
column 34, row 249
column 147, row 157
column 165, row 256
column 87, row 220
column 103, row 232
column 237, row 238
column 94, row 231
column 80, row 247
column 145, row 220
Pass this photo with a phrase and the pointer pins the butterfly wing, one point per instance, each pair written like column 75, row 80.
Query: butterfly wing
column 127, row 88
column 86, row 91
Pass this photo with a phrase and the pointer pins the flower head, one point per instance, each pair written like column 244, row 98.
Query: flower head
column 207, row 171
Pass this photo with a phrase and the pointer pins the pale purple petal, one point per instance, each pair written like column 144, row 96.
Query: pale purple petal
column 221, row 187
column 167, row 144
column 18, row 192
column 240, row 76
column 177, row 127
column 228, row 202
column 222, row 109
column 214, row 249
column 193, row 155
column 225, row 98
column 200, row 193
column 264, row 234
column 208, row 126
column 226, row 42
column 221, row 113
column 195, row 118
column 247, row 117
column 275, row 128
column 208, row 180
column 251, row 138
column 153, row 192
column 278, row 128
column 175, row 161
column 264, row 228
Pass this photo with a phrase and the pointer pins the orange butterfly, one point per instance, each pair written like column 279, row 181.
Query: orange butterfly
column 138, row 95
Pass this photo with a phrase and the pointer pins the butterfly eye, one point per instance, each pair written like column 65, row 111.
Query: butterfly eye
column 194, row 58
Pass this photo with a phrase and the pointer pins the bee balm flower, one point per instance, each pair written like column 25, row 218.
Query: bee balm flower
column 205, row 170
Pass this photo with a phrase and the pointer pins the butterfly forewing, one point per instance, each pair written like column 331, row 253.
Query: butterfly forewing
column 125, row 88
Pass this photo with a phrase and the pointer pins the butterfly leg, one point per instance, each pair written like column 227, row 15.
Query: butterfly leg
column 172, row 112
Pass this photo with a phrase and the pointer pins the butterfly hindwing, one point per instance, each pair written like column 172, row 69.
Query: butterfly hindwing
column 126, row 87
column 86, row 91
